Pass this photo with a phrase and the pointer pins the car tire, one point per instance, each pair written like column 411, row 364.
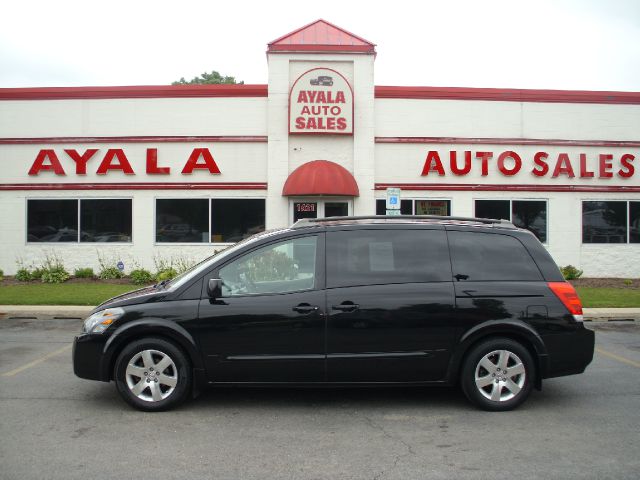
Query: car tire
column 497, row 374
column 153, row 374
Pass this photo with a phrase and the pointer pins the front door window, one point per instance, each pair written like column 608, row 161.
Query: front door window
column 304, row 210
column 315, row 207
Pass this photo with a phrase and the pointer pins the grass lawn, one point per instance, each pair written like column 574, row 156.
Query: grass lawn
column 93, row 293
column 61, row 294
column 594, row 297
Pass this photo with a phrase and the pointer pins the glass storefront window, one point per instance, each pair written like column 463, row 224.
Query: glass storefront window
column 422, row 207
column 529, row 214
column 183, row 220
column 105, row 220
column 604, row 222
column 235, row 219
column 52, row 220
column 634, row 222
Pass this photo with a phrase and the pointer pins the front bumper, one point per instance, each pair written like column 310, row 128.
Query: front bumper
column 88, row 357
column 569, row 353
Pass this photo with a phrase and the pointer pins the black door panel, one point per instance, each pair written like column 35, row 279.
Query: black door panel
column 389, row 333
column 264, row 338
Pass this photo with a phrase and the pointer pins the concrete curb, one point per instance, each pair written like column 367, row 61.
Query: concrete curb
column 75, row 311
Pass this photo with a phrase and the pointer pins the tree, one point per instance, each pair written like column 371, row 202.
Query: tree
column 207, row 79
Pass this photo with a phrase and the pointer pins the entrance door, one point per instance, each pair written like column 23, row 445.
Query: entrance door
column 320, row 208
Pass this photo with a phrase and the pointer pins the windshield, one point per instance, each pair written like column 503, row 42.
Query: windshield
column 194, row 271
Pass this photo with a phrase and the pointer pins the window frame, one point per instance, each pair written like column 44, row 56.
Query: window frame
column 511, row 200
column 414, row 199
column 77, row 199
column 320, row 267
column 209, row 199
column 627, row 225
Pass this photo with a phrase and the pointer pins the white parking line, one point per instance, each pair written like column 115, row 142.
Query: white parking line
column 13, row 372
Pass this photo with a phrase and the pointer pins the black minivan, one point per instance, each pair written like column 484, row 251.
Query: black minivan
column 406, row 300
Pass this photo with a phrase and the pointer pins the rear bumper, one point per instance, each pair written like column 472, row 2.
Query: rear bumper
column 568, row 353
column 88, row 356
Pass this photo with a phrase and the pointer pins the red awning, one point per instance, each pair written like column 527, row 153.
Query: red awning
column 321, row 177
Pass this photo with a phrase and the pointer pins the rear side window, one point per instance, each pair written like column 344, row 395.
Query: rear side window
column 490, row 257
column 375, row 257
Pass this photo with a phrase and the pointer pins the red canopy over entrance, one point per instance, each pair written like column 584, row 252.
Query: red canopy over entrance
column 321, row 177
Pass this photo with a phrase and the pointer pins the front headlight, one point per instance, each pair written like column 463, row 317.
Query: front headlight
column 100, row 321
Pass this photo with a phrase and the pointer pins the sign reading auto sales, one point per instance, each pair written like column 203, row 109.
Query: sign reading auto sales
column 321, row 102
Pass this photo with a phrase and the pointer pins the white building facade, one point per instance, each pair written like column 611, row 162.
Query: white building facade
column 146, row 174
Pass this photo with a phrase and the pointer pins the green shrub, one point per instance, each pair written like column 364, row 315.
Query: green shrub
column 110, row 273
column 55, row 275
column 52, row 269
column 84, row 273
column 1, row 274
column 23, row 275
column 166, row 274
column 37, row 273
column 140, row 276
column 570, row 272
column 628, row 282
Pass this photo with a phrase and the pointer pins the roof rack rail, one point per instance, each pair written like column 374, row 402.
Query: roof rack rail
column 487, row 221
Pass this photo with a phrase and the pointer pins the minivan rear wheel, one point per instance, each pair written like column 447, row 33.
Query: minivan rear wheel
column 152, row 374
column 498, row 374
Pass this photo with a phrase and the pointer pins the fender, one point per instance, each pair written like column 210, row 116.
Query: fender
column 511, row 328
column 148, row 327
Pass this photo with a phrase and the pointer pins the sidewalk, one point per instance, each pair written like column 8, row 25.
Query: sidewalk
column 73, row 311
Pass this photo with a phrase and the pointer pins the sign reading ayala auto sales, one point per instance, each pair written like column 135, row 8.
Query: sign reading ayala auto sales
column 321, row 101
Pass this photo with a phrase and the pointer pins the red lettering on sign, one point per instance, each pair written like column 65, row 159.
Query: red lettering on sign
column 433, row 163
column 109, row 164
column 208, row 161
column 626, row 160
column 342, row 123
column 81, row 160
column 152, row 163
column 516, row 166
column 563, row 166
column 540, row 160
column 53, row 165
column 605, row 165
column 454, row 165
column 584, row 173
column 484, row 158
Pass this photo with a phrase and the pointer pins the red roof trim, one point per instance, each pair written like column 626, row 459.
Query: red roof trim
column 163, row 91
column 508, row 95
column 140, row 139
column 277, row 40
column 321, row 48
column 279, row 45
column 509, row 141
column 136, row 186
column 485, row 187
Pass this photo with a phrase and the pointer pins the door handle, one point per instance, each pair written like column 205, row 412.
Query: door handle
column 460, row 276
column 346, row 307
column 305, row 308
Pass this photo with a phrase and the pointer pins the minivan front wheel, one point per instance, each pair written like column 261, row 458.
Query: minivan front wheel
column 497, row 374
column 152, row 374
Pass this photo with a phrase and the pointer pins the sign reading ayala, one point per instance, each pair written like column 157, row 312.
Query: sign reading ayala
column 321, row 101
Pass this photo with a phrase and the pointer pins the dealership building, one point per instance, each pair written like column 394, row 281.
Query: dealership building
column 143, row 174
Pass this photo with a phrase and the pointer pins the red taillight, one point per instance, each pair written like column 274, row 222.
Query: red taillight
column 569, row 298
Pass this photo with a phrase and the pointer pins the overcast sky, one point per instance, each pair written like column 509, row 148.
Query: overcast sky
column 580, row 44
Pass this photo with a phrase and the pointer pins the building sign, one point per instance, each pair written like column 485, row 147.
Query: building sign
column 540, row 164
column 321, row 102
column 61, row 162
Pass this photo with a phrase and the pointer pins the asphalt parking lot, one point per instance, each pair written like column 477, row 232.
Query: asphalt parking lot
column 54, row 425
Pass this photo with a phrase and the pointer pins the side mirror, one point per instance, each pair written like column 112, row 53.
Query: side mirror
column 214, row 288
